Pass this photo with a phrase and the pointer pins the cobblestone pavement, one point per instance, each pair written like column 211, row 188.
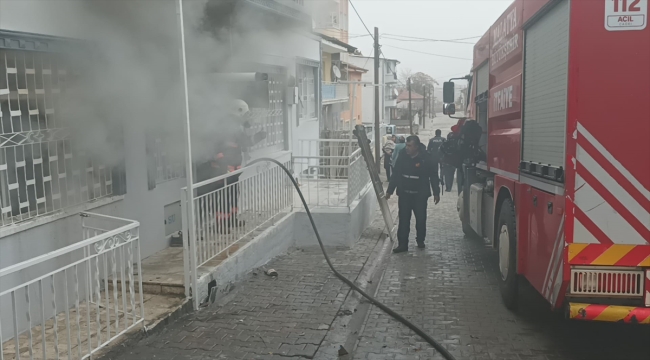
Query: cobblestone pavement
column 450, row 290
column 265, row 317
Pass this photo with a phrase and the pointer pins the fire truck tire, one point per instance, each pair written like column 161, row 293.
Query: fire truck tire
column 507, row 247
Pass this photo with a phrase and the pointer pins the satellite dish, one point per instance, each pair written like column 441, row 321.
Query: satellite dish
column 395, row 92
column 336, row 71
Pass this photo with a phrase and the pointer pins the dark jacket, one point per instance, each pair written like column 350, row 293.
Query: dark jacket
column 415, row 175
column 434, row 147
column 227, row 158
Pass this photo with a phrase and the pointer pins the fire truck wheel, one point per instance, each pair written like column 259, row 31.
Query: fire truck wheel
column 507, row 238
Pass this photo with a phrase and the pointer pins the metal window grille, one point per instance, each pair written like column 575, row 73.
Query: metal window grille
column 40, row 171
column 272, row 119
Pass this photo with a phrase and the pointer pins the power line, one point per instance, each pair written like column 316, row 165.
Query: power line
column 426, row 53
column 449, row 76
column 430, row 39
column 369, row 57
column 368, row 30
column 390, row 37
column 359, row 16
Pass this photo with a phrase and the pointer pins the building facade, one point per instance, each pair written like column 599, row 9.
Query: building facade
column 331, row 18
column 92, row 109
column 387, row 87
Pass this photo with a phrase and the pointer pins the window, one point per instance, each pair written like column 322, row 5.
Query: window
column 165, row 159
column 41, row 170
column 389, row 68
column 306, row 79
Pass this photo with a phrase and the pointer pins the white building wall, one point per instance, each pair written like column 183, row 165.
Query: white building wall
column 140, row 203
column 283, row 52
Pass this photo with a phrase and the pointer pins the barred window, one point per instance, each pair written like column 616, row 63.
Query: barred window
column 165, row 162
column 40, row 170
column 271, row 119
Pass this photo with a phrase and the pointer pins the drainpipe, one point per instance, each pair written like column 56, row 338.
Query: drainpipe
column 320, row 88
column 188, row 168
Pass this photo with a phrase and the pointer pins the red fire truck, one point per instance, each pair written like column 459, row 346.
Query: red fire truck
column 561, row 89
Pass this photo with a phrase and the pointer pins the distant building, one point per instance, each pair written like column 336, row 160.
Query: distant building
column 330, row 18
column 387, row 87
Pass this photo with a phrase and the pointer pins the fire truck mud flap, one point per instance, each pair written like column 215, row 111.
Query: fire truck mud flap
column 609, row 313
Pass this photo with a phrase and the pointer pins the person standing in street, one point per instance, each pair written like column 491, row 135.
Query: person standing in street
column 388, row 149
column 448, row 171
column 415, row 177
column 399, row 146
column 434, row 150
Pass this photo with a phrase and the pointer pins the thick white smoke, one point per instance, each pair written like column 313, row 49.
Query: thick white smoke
column 133, row 74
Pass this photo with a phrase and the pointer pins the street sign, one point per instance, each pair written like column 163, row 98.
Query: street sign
column 626, row 15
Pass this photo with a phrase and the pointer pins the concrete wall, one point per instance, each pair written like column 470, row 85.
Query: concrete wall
column 273, row 242
column 337, row 227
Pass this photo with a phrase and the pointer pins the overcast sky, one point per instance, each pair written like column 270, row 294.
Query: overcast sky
column 433, row 19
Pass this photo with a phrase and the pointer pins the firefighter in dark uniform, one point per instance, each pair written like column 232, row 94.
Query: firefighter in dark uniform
column 416, row 178
column 434, row 150
column 228, row 158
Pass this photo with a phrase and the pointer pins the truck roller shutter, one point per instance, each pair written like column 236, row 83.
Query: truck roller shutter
column 545, row 90
column 483, row 79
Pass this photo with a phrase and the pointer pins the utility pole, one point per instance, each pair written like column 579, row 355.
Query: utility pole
column 432, row 109
column 377, row 142
column 410, row 116
column 424, row 107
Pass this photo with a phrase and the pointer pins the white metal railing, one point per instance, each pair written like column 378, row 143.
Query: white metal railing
column 71, row 302
column 331, row 172
column 231, row 208
column 358, row 176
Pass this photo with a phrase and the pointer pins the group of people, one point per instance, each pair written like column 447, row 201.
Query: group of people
column 415, row 171
column 394, row 145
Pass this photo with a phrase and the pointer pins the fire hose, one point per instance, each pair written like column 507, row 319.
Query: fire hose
column 436, row 345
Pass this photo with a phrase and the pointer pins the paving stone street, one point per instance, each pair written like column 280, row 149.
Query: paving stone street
column 265, row 317
column 449, row 289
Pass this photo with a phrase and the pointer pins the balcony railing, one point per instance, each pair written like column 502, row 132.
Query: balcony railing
column 229, row 209
column 334, row 92
column 331, row 172
column 73, row 301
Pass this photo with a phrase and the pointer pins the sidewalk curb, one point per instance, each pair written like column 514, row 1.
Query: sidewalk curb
column 346, row 327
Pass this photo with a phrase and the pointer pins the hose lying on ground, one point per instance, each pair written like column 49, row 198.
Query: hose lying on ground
column 372, row 300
